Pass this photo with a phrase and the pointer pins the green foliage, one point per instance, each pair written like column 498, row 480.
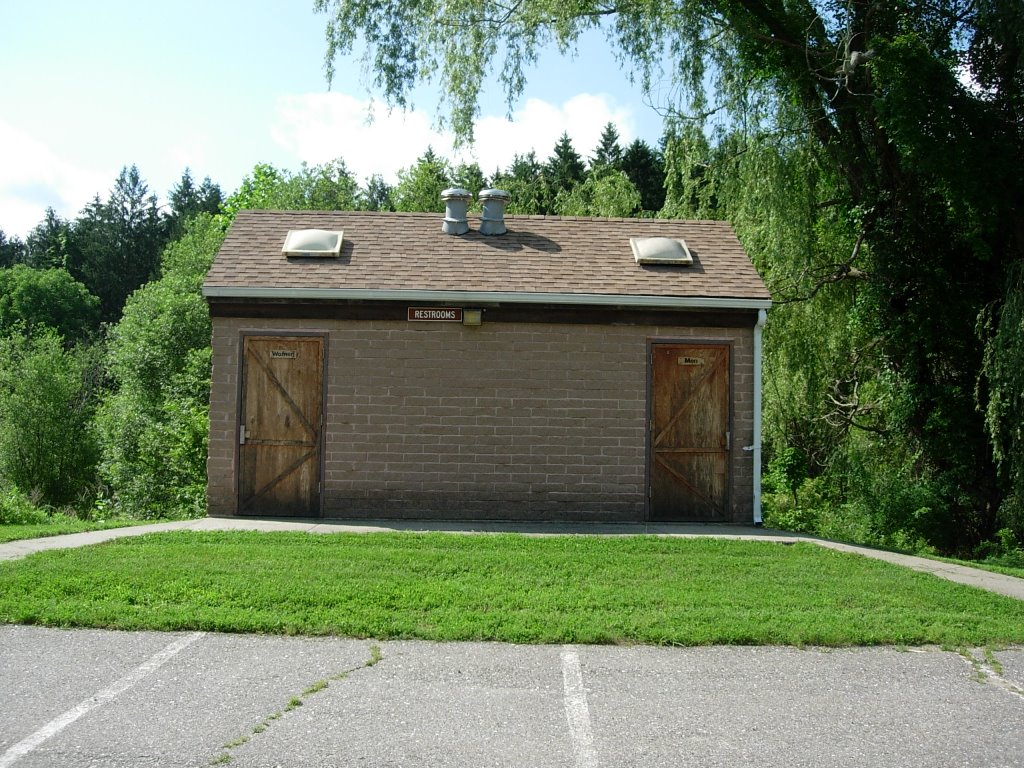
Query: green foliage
column 16, row 508
column 524, row 182
column 47, row 244
column 873, row 493
column 187, row 200
column 869, row 157
column 419, row 186
column 469, row 177
column 1004, row 373
column 645, row 168
column 47, row 446
column 12, row 251
column 608, row 153
column 564, row 169
column 330, row 186
column 114, row 246
column 154, row 457
column 609, row 193
column 35, row 298
column 787, row 471
column 154, row 424
column 266, row 188
column 375, row 195
column 162, row 323
column 326, row 187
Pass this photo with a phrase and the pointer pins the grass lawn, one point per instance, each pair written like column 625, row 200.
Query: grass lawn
column 60, row 525
column 501, row 587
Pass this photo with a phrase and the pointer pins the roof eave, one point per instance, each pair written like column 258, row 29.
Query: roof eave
column 487, row 297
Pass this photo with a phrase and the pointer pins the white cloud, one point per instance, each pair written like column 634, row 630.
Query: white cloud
column 317, row 128
column 539, row 124
column 33, row 177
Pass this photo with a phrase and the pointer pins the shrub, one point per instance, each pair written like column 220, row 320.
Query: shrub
column 155, row 453
column 17, row 509
column 47, row 446
column 154, row 425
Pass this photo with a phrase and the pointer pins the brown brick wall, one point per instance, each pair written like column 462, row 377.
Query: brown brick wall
column 504, row 421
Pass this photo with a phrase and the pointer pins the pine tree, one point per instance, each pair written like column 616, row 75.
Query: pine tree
column 563, row 170
column 608, row 154
column 12, row 250
column 645, row 168
column 47, row 243
column 186, row 200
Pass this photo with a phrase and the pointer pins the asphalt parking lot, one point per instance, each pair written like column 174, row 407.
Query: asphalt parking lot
column 96, row 698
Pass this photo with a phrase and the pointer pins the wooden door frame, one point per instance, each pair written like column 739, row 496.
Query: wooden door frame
column 652, row 344
column 239, row 404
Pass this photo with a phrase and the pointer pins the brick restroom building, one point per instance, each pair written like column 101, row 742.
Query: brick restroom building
column 375, row 365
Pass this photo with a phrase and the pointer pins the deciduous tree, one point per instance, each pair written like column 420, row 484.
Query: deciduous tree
column 47, row 398
column 608, row 193
column 31, row 299
column 913, row 111
column 524, row 181
column 153, row 424
column 329, row 186
column 420, row 185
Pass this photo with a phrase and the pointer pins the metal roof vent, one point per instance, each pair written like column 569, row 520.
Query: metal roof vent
column 660, row 250
column 312, row 242
column 456, row 202
column 492, row 220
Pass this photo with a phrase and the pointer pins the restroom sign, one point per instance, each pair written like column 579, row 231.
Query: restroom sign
column 435, row 314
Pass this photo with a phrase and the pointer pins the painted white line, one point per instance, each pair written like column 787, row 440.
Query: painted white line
column 576, row 710
column 58, row 724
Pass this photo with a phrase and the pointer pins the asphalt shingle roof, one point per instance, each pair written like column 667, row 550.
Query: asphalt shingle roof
column 538, row 255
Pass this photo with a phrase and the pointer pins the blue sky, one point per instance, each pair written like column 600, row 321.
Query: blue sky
column 219, row 86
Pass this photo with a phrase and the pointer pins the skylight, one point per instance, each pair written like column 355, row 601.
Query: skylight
column 660, row 250
column 312, row 242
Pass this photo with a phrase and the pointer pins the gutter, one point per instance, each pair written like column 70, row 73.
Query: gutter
column 486, row 297
column 762, row 318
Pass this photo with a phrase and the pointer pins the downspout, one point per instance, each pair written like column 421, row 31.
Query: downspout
column 762, row 317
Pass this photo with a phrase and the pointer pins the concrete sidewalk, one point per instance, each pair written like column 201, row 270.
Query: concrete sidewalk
column 974, row 577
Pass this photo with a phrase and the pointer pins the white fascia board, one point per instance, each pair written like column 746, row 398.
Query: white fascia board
column 486, row 297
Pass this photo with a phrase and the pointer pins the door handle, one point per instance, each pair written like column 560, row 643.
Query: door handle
column 728, row 441
column 241, row 436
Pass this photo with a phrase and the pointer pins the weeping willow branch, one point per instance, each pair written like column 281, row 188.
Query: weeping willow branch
column 833, row 274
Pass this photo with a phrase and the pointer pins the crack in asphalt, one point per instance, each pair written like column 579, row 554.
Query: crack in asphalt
column 987, row 674
column 293, row 703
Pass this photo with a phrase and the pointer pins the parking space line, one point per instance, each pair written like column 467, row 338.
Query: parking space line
column 112, row 691
column 576, row 710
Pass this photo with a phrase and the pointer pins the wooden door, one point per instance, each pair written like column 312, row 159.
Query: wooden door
column 280, row 426
column 689, row 432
